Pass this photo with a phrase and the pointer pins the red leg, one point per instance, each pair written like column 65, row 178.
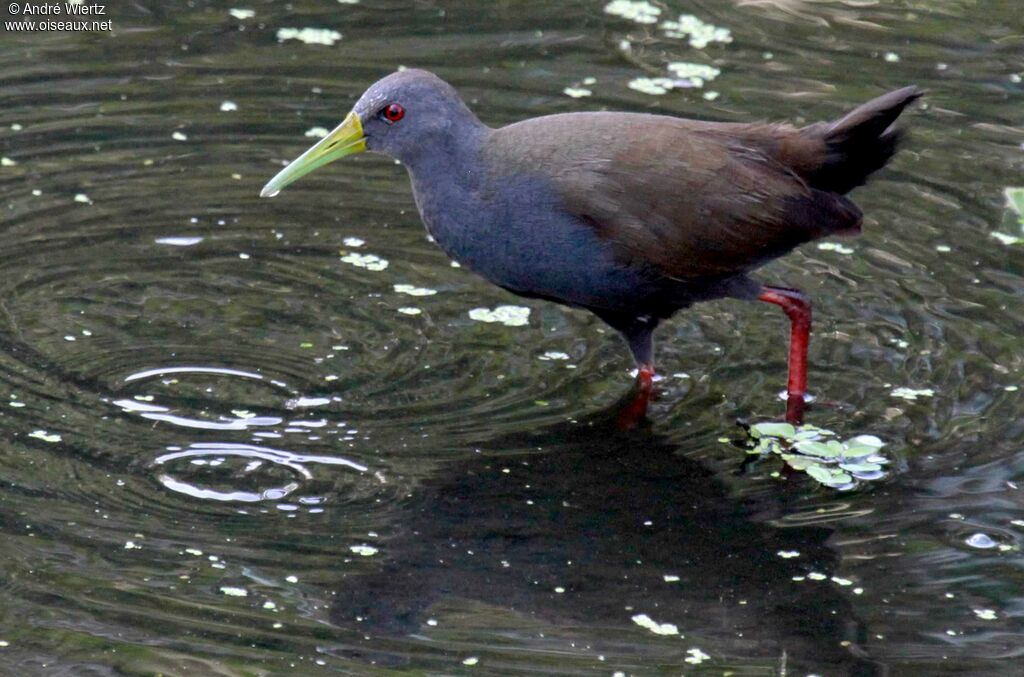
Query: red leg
column 798, row 308
column 636, row 409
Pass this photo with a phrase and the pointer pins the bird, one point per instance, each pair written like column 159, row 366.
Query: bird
column 631, row 216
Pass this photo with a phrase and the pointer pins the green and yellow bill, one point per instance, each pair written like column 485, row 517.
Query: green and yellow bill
column 346, row 139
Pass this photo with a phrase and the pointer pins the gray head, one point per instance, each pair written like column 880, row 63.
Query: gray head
column 407, row 115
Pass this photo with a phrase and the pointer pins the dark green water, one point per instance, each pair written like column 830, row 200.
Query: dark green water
column 234, row 454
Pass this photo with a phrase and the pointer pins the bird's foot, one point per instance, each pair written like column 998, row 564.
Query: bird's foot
column 635, row 410
column 796, row 404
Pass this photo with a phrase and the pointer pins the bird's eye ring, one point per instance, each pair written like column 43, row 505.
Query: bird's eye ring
column 392, row 113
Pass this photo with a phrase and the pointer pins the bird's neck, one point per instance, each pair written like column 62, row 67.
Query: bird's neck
column 448, row 182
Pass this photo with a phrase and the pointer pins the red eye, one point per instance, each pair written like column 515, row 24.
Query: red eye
column 393, row 113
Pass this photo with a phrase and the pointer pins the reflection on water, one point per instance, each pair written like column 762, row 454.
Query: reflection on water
column 236, row 442
column 596, row 528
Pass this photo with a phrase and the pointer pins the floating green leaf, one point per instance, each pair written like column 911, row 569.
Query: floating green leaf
column 860, row 467
column 832, row 462
column 769, row 429
column 829, row 476
column 854, row 450
column 816, row 449
column 798, row 462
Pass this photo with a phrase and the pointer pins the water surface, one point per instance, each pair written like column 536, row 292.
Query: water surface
column 232, row 447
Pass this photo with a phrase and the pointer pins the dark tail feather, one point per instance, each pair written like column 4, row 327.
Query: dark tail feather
column 859, row 143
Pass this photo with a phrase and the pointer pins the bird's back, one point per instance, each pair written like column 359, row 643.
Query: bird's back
column 702, row 199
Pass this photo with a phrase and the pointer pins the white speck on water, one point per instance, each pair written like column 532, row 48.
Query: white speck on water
column 943, row 248
column 43, row 435
column 692, row 74
column 353, row 242
column 310, row 36
column 892, row 57
column 559, row 590
column 835, row 247
column 232, row 591
column 510, row 316
column 37, row 192
column 635, row 10
column 589, row 81
column 788, row 554
column 228, row 106
column 319, row 133
column 472, row 660
column 985, row 614
column 16, row 127
column 981, row 541
column 1011, row 389
column 671, row 578
column 648, row 623
column 242, row 14
column 364, row 550
column 4, row 643
column 841, row 581
column 348, row 2
column 699, row 33
column 179, row 241
column 414, row 291
column 816, row 576
column 696, row 656
column 553, row 355
column 912, row 394
column 83, row 198
column 317, row 423
column 653, row 86
column 367, row 261
column 7, row 162
column 132, row 545
column 309, row 401
column 432, row 622
column 410, row 310
column 270, row 606
column 858, row 591
column 1007, row 239
column 179, row 136
column 711, row 96
column 292, row 579
column 577, row 92
column 195, row 552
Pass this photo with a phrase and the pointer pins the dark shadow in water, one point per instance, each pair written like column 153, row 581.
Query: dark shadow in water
column 506, row 539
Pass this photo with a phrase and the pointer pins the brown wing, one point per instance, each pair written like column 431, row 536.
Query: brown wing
column 693, row 199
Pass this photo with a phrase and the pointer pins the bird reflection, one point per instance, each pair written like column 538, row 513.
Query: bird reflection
column 581, row 522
